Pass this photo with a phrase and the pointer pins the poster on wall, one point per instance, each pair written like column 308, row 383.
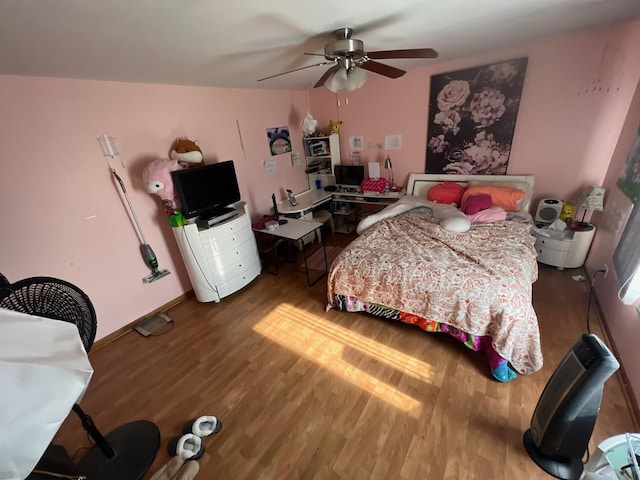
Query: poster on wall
column 279, row 140
column 472, row 117
column 629, row 180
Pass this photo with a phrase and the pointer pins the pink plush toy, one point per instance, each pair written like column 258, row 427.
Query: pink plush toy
column 157, row 180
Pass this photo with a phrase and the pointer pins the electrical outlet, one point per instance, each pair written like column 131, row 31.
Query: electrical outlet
column 606, row 270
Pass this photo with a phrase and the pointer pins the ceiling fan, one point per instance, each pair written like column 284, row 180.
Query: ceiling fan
column 349, row 58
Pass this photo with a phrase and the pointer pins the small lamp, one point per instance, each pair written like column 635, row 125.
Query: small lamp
column 591, row 198
column 389, row 166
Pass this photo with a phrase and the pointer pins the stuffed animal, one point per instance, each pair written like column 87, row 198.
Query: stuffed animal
column 157, row 181
column 186, row 152
column 334, row 126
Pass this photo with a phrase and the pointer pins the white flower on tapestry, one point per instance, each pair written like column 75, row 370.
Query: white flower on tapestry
column 472, row 118
column 500, row 73
column 438, row 144
column 449, row 121
column 453, row 95
column 484, row 156
column 487, row 106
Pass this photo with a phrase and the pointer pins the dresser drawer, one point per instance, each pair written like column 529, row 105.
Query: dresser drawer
column 544, row 243
column 234, row 267
column 220, row 245
column 227, row 228
column 235, row 284
column 552, row 257
column 237, row 251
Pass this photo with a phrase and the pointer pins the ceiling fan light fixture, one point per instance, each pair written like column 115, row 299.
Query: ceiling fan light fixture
column 337, row 81
column 346, row 80
column 355, row 79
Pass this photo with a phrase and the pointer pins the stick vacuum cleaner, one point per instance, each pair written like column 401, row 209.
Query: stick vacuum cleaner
column 145, row 249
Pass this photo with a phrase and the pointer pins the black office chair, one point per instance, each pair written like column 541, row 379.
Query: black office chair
column 127, row 452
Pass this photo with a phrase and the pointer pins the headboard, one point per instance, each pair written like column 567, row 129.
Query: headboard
column 419, row 183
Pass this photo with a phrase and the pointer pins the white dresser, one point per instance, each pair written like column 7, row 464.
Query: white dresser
column 566, row 249
column 222, row 259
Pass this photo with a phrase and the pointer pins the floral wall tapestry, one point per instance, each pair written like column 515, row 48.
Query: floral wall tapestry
column 472, row 117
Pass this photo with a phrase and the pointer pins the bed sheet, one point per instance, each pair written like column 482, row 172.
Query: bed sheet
column 478, row 282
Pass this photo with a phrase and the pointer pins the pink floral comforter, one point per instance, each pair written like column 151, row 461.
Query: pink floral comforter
column 479, row 281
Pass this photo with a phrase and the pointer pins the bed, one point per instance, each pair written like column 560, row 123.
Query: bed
column 475, row 286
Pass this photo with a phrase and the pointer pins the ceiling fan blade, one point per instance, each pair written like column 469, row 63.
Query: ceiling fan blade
column 294, row 70
column 407, row 53
column 326, row 75
column 382, row 69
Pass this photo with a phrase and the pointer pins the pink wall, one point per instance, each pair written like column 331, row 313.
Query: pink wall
column 577, row 120
column 564, row 135
column 64, row 216
column 622, row 320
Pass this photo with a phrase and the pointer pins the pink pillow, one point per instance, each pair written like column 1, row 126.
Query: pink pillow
column 446, row 192
column 492, row 214
column 475, row 203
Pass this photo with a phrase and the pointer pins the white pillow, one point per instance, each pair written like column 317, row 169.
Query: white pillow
column 456, row 222
column 451, row 219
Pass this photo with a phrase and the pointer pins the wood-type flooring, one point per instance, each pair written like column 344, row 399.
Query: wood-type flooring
column 305, row 393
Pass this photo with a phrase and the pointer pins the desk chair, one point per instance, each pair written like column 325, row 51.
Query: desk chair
column 325, row 216
column 125, row 453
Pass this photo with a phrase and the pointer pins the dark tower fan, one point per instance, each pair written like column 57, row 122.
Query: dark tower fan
column 566, row 413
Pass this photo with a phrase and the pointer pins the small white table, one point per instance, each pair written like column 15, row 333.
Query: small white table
column 564, row 249
column 294, row 230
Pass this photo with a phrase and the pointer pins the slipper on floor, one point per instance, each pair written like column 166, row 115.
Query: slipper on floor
column 187, row 447
column 169, row 470
column 202, row 426
column 177, row 469
column 188, row 471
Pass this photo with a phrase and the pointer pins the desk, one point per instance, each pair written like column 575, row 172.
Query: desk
column 370, row 198
column 295, row 230
column 307, row 201
column 343, row 205
column 310, row 199
column 346, row 207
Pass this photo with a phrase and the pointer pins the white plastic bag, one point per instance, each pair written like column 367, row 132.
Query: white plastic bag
column 44, row 370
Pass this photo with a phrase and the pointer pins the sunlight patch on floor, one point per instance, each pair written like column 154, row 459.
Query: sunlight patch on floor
column 328, row 344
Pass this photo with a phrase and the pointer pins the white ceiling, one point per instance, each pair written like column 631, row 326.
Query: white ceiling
column 233, row 43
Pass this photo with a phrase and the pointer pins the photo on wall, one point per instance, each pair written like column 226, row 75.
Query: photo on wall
column 629, row 180
column 472, row 118
column 279, row 140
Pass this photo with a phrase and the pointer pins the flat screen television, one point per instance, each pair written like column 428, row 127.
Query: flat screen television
column 206, row 191
column 348, row 175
